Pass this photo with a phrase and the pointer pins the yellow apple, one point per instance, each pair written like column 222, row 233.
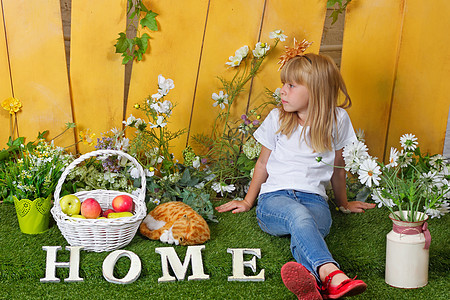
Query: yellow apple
column 70, row 205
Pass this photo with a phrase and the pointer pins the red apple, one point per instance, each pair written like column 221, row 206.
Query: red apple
column 107, row 212
column 122, row 203
column 90, row 208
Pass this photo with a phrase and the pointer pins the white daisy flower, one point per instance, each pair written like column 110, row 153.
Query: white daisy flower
column 439, row 211
column 221, row 99
column 278, row 34
column 404, row 158
column 393, row 158
column 369, row 172
column 353, row 154
column 380, row 200
column 408, row 142
column 437, row 161
column 360, row 135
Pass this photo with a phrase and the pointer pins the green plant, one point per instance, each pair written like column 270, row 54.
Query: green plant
column 342, row 5
column 151, row 142
column 411, row 182
column 32, row 170
column 134, row 48
column 224, row 144
column 188, row 185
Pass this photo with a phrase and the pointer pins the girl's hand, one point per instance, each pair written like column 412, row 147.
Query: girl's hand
column 235, row 206
column 359, row 206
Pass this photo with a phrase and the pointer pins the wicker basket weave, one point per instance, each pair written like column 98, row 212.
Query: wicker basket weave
column 100, row 234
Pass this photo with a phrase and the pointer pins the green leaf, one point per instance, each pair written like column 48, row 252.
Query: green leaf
column 143, row 42
column 122, row 43
column 41, row 135
column 17, row 142
column 334, row 15
column 331, row 3
column 126, row 58
column 70, row 125
column 149, row 21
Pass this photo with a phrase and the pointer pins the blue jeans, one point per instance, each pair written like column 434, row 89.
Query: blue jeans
column 305, row 217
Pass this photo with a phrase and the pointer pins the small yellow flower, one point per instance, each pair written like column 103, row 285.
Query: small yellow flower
column 12, row 105
column 87, row 137
column 137, row 106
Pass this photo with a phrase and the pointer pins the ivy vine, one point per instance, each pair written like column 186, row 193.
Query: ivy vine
column 134, row 48
column 342, row 5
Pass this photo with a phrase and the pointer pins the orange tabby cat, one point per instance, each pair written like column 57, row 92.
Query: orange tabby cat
column 175, row 223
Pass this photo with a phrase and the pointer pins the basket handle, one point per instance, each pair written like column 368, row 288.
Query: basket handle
column 83, row 157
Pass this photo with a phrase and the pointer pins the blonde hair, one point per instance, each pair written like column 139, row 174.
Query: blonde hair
column 320, row 75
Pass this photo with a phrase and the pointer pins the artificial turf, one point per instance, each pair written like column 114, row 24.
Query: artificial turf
column 357, row 242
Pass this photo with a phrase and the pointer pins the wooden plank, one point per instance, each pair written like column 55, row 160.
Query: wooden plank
column 369, row 59
column 96, row 71
column 298, row 19
column 38, row 67
column 174, row 52
column 421, row 96
column 5, row 85
column 231, row 25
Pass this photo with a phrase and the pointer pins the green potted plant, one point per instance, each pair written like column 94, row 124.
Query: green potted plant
column 413, row 186
column 28, row 177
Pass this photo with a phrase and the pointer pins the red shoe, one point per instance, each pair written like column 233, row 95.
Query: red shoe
column 300, row 281
column 346, row 288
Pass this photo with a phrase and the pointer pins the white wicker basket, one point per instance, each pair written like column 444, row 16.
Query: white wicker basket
column 100, row 234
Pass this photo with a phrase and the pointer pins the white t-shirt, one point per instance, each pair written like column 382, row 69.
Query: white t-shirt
column 292, row 163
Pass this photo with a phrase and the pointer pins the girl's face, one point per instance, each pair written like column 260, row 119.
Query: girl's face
column 295, row 98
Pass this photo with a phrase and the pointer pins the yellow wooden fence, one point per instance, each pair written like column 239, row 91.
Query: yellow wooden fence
column 395, row 62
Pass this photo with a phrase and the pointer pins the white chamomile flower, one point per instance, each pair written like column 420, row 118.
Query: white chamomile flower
column 278, row 34
column 369, row 172
column 393, row 158
column 408, row 142
column 221, row 99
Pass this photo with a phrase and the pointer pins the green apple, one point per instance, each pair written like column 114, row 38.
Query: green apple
column 70, row 205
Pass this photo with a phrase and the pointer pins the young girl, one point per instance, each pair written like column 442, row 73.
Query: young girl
column 307, row 128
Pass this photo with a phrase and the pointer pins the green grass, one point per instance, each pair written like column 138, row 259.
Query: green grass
column 357, row 242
